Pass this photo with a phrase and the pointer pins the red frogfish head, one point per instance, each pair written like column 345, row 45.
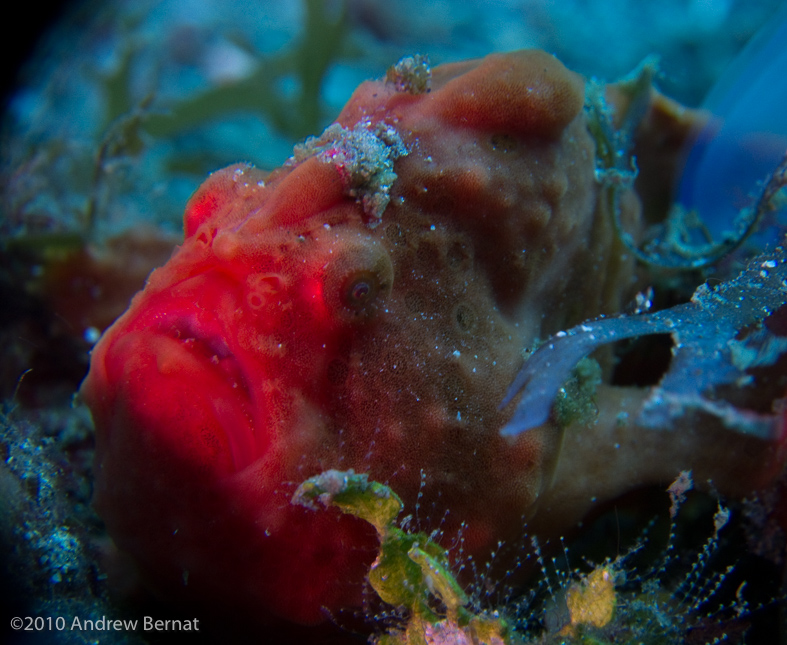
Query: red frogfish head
column 210, row 398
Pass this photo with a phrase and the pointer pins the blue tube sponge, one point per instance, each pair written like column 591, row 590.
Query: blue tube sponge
column 746, row 136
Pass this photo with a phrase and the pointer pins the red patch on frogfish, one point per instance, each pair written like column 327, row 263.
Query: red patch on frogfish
column 291, row 334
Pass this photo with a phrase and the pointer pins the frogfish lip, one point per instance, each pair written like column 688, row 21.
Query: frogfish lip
column 173, row 371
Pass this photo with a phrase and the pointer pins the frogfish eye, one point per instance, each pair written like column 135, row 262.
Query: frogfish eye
column 358, row 281
column 361, row 290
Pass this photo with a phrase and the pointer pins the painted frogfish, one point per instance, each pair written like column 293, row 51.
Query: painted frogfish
column 366, row 307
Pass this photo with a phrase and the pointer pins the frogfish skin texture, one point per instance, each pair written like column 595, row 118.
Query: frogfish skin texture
column 365, row 307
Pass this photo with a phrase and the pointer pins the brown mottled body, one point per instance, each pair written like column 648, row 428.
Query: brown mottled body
column 496, row 240
column 359, row 308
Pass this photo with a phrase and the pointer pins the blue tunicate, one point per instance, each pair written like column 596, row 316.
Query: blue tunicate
column 746, row 136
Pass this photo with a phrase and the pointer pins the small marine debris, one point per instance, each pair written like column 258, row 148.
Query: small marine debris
column 364, row 157
column 412, row 74
column 412, row 572
column 642, row 596
column 677, row 491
